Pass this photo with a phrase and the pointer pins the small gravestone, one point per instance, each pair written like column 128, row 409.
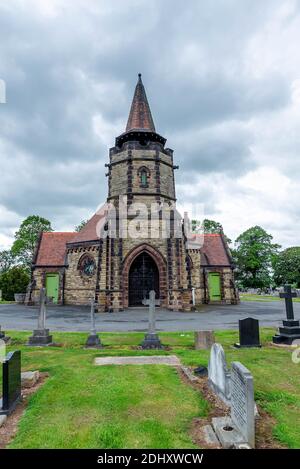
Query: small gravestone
column 41, row 336
column 93, row 340
column 204, row 340
column 151, row 340
column 3, row 336
column 249, row 333
column 29, row 378
column 291, row 327
column 218, row 373
column 11, row 382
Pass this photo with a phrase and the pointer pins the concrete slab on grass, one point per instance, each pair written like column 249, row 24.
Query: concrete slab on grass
column 170, row 360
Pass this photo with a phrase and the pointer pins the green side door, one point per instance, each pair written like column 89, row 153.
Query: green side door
column 214, row 286
column 52, row 282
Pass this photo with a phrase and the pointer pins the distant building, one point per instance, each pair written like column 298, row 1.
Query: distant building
column 119, row 271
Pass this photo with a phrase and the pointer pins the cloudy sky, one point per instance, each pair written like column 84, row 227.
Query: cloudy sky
column 223, row 81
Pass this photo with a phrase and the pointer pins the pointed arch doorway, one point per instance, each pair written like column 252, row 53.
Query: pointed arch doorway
column 143, row 277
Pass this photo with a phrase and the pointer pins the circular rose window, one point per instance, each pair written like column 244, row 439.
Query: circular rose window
column 87, row 266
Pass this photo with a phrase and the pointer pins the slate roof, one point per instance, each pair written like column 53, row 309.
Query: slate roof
column 51, row 249
column 140, row 117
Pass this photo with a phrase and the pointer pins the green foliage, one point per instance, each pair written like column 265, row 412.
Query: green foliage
column 14, row 280
column 208, row 227
column 7, row 260
column 81, row 225
column 254, row 254
column 27, row 236
column 287, row 267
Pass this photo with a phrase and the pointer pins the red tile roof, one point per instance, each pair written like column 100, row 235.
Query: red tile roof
column 91, row 230
column 213, row 251
column 52, row 248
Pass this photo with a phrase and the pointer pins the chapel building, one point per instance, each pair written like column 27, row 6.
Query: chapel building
column 117, row 265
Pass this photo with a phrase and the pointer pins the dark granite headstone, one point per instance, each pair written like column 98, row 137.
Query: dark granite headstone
column 11, row 382
column 249, row 333
column 290, row 330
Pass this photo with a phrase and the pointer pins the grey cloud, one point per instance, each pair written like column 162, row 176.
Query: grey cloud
column 62, row 71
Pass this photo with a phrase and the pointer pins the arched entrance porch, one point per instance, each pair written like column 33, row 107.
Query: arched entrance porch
column 142, row 278
column 144, row 269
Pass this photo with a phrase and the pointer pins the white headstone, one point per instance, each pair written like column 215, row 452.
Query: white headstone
column 2, row 351
column 242, row 402
column 218, row 374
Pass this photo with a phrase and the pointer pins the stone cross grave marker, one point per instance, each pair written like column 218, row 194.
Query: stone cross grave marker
column 11, row 382
column 151, row 340
column 291, row 327
column 41, row 335
column 249, row 333
column 218, row 373
column 93, row 340
column 242, row 402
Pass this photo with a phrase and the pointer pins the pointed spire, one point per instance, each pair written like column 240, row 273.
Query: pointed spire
column 140, row 117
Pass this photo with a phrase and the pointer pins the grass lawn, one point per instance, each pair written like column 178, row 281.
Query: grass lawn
column 85, row 406
column 4, row 302
column 252, row 297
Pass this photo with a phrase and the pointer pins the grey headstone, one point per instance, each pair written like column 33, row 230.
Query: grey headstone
column 218, row 374
column 242, row 402
column 204, row 339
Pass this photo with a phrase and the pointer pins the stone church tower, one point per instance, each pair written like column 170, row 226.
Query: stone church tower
column 116, row 260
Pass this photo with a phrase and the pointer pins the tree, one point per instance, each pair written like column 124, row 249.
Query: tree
column 81, row 225
column 254, row 254
column 287, row 267
column 14, row 280
column 208, row 227
column 27, row 236
column 7, row 260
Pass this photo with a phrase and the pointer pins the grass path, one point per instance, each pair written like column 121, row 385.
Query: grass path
column 85, row 406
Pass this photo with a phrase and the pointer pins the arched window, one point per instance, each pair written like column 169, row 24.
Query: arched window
column 144, row 175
